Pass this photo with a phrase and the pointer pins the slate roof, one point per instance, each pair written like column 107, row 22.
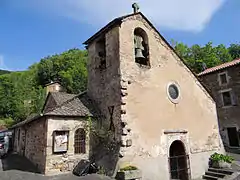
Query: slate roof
column 61, row 97
column 220, row 67
column 78, row 105
column 74, row 105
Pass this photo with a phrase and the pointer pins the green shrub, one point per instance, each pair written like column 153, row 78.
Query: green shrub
column 128, row 168
column 221, row 157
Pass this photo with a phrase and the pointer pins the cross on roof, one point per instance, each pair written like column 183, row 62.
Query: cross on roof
column 135, row 7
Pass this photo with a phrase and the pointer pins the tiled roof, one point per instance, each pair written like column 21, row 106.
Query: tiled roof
column 219, row 67
column 61, row 97
column 67, row 105
column 79, row 105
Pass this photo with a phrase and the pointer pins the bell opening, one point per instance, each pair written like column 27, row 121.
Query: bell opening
column 141, row 47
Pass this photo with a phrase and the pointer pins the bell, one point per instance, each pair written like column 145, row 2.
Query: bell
column 139, row 54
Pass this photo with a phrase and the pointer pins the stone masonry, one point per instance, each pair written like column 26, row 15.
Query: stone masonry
column 32, row 142
column 227, row 116
column 145, row 120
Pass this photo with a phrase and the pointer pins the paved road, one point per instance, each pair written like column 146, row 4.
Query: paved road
column 16, row 167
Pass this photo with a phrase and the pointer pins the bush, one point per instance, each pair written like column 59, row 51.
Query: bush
column 221, row 157
column 128, row 168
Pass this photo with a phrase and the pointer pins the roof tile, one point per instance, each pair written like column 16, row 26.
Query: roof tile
column 219, row 67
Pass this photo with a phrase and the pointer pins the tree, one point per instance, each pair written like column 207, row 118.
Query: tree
column 196, row 55
column 234, row 51
column 70, row 68
column 23, row 93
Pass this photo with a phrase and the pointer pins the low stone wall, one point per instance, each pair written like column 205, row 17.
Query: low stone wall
column 65, row 163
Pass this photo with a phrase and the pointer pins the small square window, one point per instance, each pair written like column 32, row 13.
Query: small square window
column 226, row 96
column 223, row 78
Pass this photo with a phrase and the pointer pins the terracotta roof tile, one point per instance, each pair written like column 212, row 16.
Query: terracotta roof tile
column 219, row 67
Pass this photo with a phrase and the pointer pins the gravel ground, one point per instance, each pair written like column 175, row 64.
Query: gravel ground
column 15, row 167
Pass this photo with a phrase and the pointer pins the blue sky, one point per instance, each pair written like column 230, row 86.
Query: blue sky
column 33, row 29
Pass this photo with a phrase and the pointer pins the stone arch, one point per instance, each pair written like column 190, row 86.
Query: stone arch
column 141, row 47
column 178, row 161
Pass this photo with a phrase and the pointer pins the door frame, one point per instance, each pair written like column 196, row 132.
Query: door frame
column 183, row 136
column 237, row 136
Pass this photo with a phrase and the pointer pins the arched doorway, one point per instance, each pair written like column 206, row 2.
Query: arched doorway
column 178, row 161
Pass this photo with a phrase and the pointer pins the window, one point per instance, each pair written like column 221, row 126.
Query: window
column 60, row 141
column 228, row 97
column 223, row 78
column 141, row 47
column 101, row 52
column 173, row 92
column 80, row 141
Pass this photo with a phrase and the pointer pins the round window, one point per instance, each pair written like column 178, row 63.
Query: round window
column 173, row 92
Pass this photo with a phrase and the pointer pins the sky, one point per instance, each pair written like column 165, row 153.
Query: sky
column 33, row 29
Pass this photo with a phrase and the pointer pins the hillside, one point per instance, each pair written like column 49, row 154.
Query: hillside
column 4, row 72
column 17, row 89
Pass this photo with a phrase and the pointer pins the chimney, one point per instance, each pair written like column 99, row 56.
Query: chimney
column 53, row 87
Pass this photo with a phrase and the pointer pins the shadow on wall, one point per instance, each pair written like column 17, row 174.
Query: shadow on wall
column 16, row 162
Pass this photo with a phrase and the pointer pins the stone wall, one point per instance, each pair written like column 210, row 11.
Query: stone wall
column 32, row 142
column 227, row 116
column 142, row 107
column 104, row 87
column 62, row 163
column 104, row 84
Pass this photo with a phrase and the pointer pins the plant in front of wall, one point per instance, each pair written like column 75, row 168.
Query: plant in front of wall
column 103, row 146
column 128, row 168
column 129, row 172
column 221, row 161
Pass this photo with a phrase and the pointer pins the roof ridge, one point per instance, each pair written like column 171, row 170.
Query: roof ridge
column 220, row 66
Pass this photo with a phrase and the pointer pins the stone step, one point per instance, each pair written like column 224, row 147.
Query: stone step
column 223, row 171
column 215, row 174
column 210, row 177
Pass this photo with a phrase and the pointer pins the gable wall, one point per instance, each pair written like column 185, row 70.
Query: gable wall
column 149, row 112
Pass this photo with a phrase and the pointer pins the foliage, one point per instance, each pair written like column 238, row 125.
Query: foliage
column 128, row 168
column 69, row 68
column 7, row 122
column 23, row 93
column 196, row 56
column 216, row 157
column 101, row 135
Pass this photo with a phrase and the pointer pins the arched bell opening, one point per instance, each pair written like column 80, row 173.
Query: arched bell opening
column 141, row 47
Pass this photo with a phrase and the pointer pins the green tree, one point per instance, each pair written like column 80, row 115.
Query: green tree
column 234, row 50
column 68, row 67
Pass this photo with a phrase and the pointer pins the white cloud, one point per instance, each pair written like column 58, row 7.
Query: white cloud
column 187, row 15
column 2, row 64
